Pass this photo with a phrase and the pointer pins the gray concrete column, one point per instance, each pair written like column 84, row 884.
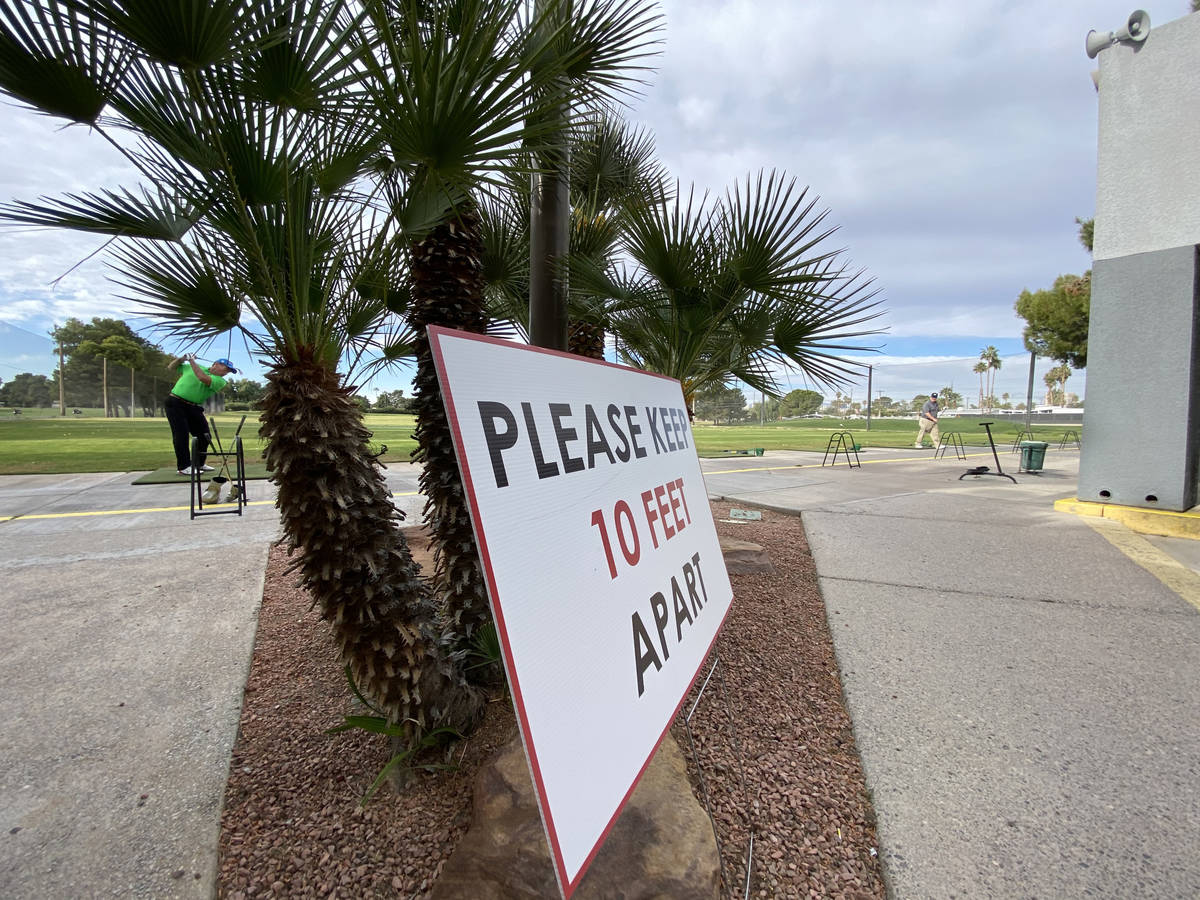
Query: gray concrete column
column 1142, row 406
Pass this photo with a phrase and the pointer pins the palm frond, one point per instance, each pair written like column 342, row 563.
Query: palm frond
column 611, row 163
column 179, row 287
column 120, row 214
column 300, row 60
column 55, row 58
column 671, row 239
column 504, row 224
column 771, row 231
column 187, row 34
column 455, row 90
column 605, row 45
column 742, row 288
column 154, row 104
column 344, row 153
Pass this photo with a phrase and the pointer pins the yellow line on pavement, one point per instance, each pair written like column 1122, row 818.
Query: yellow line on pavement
column 129, row 512
column 148, row 509
column 1174, row 574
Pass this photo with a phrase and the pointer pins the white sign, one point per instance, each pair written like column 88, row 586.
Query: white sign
column 603, row 565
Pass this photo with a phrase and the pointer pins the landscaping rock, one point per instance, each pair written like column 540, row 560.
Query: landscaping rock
column 745, row 558
column 662, row 845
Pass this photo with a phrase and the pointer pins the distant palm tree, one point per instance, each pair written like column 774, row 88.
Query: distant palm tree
column 980, row 369
column 990, row 357
column 1056, row 382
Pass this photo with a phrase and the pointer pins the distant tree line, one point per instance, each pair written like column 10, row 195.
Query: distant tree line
column 95, row 353
column 723, row 405
column 87, row 347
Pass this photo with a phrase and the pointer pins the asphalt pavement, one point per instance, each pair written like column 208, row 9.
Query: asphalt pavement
column 1020, row 679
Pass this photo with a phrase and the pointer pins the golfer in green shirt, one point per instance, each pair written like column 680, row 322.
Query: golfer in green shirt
column 185, row 407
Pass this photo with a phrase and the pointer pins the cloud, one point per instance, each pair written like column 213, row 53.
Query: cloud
column 953, row 144
column 48, row 274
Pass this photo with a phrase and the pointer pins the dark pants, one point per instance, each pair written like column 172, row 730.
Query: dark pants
column 187, row 420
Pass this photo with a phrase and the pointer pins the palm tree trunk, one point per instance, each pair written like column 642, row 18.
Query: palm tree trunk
column 448, row 286
column 337, row 511
column 585, row 339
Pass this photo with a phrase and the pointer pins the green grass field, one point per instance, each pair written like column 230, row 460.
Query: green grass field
column 814, row 434
column 32, row 444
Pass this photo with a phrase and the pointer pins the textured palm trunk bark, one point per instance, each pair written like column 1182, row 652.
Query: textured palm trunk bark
column 338, row 513
column 585, row 339
column 448, row 290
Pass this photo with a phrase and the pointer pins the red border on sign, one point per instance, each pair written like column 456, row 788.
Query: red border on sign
column 436, row 333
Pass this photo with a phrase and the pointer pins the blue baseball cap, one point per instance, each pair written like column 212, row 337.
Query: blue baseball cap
column 227, row 364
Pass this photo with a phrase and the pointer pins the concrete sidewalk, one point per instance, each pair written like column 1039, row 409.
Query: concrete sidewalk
column 1022, row 691
column 128, row 639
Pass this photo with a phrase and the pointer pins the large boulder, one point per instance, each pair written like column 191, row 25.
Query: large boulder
column 662, row 845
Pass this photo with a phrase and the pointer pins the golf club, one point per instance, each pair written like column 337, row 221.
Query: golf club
column 235, row 489
column 212, row 493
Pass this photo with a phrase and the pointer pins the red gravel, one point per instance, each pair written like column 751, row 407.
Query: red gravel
column 293, row 825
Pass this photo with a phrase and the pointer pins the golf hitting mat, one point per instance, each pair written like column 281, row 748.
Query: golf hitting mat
column 256, row 471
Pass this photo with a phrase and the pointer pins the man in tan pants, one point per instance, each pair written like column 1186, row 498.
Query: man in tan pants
column 927, row 421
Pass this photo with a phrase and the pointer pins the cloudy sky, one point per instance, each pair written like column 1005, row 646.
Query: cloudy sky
column 953, row 143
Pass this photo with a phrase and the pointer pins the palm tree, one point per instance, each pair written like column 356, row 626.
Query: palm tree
column 980, row 369
column 459, row 102
column 613, row 169
column 990, row 357
column 311, row 168
column 245, row 133
column 1056, row 382
column 737, row 289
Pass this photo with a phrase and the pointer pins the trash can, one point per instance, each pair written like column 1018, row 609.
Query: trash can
column 758, row 451
column 1033, row 455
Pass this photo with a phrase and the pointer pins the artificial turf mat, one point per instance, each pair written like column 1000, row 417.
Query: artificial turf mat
column 254, row 471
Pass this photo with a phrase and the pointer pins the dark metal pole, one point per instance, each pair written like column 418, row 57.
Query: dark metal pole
column 549, row 233
column 62, row 381
column 870, row 371
column 549, row 236
column 1029, row 396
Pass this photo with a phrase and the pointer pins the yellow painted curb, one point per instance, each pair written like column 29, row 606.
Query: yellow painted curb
column 1144, row 521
